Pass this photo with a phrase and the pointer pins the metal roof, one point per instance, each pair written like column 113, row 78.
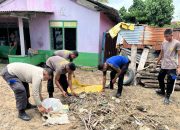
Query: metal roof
column 132, row 37
column 146, row 36
column 23, row 14
column 143, row 35
column 97, row 6
column 153, row 35
column 23, row 11
column 1, row 1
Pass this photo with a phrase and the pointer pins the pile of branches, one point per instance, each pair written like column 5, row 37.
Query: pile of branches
column 103, row 112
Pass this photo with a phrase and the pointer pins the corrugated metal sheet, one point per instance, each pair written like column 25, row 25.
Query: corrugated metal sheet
column 153, row 36
column 132, row 37
column 176, row 34
column 143, row 35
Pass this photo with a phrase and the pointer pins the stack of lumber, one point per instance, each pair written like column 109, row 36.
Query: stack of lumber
column 148, row 77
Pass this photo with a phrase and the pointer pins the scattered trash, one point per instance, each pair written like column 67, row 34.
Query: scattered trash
column 142, row 108
column 113, row 98
column 117, row 100
column 144, row 128
column 81, row 110
column 56, row 119
column 53, row 103
column 163, row 127
column 103, row 112
column 82, row 95
column 57, row 115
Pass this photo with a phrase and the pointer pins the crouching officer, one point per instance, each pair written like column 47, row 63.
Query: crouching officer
column 18, row 75
column 118, row 65
column 61, row 67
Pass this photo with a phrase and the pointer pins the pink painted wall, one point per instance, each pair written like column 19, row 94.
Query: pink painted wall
column 105, row 25
column 87, row 30
column 91, row 24
column 40, row 5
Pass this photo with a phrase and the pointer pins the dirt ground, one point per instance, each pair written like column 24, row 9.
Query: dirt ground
column 134, row 95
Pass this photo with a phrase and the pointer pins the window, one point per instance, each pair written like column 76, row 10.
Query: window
column 63, row 35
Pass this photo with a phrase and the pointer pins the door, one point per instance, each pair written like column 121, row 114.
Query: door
column 70, row 38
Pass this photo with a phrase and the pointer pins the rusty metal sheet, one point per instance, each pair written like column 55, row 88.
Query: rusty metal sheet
column 176, row 34
column 153, row 36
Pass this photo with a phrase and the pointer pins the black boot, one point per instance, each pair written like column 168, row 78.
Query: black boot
column 160, row 92
column 118, row 95
column 30, row 106
column 22, row 115
column 50, row 95
column 167, row 100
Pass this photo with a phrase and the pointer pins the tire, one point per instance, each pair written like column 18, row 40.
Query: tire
column 128, row 77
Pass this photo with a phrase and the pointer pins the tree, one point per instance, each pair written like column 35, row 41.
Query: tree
column 152, row 12
column 135, row 14
column 160, row 12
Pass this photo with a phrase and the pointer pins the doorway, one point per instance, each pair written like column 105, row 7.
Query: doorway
column 70, row 38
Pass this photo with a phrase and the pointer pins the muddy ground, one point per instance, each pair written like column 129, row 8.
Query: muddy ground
column 133, row 96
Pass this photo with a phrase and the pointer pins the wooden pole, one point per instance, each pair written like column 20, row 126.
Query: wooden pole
column 21, row 33
column 133, row 61
column 143, row 59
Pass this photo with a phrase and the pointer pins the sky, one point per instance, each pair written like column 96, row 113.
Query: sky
column 127, row 3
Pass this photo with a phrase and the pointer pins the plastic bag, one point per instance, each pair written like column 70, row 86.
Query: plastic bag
column 53, row 103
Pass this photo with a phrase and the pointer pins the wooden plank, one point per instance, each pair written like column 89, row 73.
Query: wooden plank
column 148, row 74
column 144, row 81
column 150, row 85
column 146, row 77
column 133, row 61
column 143, row 59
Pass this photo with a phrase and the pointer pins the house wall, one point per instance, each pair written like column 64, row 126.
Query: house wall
column 87, row 29
column 40, row 5
column 105, row 25
column 91, row 24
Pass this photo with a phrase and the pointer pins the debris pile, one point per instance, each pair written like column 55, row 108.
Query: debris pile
column 148, row 77
column 104, row 112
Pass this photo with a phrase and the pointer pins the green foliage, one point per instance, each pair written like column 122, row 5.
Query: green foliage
column 152, row 12
column 135, row 14
column 174, row 25
column 160, row 12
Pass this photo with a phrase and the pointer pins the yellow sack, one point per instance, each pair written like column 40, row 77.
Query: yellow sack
column 79, row 88
column 117, row 28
